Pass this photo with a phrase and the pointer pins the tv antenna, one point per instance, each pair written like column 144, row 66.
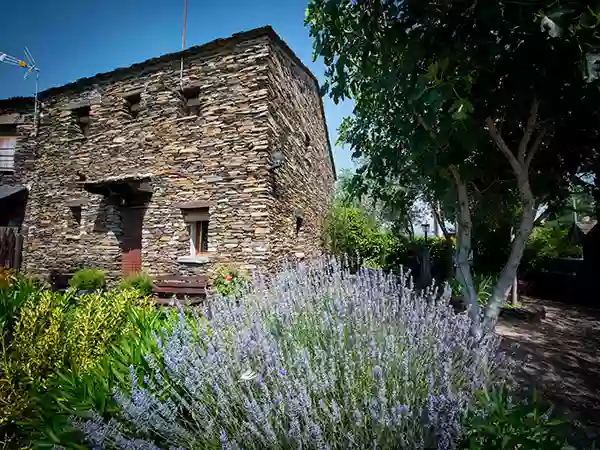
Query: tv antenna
column 29, row 67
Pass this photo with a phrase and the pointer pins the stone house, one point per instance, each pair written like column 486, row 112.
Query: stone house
column 170, row 169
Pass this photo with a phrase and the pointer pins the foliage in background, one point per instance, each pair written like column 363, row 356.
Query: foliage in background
column 351, row 234
column 141, row 282
column 498, row 423
column 545, row 246
column 483, row 287
column 229, row 280
column 549, row 242
column 88, row 279
column 319, row 358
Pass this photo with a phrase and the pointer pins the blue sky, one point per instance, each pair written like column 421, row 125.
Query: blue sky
column 79, row 39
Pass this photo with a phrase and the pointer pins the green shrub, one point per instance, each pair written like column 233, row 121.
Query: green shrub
column 353, row 236
column 229, row 280
column 548, row 243
column 484, row 285
column 141, row 282
column 15, row 289
column 497, row 423
column 88, row 279
column 72, row 394
column 56, row 333
column 350, row 234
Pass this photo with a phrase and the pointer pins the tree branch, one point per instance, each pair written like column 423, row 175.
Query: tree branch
column 535, row 147
column 438, row 217
column 529, row 129
column 501, row 144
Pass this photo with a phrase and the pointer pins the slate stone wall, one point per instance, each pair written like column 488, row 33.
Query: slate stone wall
column 303, row 184
column 219, row 157
column 25, row 150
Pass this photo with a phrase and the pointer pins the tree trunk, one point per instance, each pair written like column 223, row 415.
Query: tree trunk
column 448, row 239
column 463, row 247
column 520, row 164
column 509, row 271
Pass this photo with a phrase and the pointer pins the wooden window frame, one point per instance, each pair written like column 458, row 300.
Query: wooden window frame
column 11, row 138
column 198, row 237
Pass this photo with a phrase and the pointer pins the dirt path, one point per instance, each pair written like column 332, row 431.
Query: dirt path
column 560, row 357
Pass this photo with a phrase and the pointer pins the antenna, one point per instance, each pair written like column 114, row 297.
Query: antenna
column 185, row 4
column 29, row 67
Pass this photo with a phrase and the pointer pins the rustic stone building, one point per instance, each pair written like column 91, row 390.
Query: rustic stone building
column 149, row 168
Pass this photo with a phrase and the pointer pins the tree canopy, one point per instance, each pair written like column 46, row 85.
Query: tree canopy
column 469, row 100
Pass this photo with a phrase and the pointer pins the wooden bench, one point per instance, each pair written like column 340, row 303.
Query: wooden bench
column 192, row 287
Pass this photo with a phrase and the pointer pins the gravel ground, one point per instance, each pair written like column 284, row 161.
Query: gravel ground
column 560, row 357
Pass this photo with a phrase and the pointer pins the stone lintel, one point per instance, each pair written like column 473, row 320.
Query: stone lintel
column 200, row 204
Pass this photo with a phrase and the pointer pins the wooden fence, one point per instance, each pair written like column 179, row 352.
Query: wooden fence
column 11, row 247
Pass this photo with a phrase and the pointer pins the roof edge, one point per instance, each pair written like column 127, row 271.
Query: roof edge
column 265, row 31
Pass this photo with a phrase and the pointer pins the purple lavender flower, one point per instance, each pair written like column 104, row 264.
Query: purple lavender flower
column 370, row 361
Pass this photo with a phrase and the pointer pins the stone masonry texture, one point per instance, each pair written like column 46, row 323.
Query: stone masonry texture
column 255, row 100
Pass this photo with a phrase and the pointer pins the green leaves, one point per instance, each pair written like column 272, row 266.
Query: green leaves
column 497, row 423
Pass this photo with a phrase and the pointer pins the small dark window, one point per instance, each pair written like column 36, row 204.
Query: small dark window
column 191, row 98
column 306, row 140
column 75, row 220
column 82, row 117
column 134, row 103
column 299, row 222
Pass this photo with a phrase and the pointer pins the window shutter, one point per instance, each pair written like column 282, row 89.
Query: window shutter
column 7, row 153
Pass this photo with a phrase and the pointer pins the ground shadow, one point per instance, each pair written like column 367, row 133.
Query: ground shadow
column 560, row 358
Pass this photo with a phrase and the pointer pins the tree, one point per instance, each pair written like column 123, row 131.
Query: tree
column 455, row 96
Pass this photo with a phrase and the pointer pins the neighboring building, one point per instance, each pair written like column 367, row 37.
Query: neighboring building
column 140, row 168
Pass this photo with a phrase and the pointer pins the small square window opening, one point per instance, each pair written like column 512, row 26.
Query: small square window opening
column 82, row 117
column 134, row 104
column 75, row 219
column 299, row 222
column 306, row 140
column 191, row 100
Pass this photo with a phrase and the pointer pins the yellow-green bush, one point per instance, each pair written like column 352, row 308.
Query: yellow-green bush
column 54, row 333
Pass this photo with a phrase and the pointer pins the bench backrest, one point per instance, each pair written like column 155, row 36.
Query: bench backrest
column 181, row 282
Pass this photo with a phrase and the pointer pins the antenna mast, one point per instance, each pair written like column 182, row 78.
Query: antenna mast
column 185, row 3
column 29, row 67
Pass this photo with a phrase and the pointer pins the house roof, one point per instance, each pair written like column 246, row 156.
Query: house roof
column 192, row 51
column 211, row 46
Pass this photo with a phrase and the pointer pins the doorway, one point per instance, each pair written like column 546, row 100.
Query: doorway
column 132, row 219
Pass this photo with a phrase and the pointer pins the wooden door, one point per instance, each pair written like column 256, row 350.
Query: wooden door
column 132, row 218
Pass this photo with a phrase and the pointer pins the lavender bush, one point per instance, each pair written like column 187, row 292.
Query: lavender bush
column 316, row 358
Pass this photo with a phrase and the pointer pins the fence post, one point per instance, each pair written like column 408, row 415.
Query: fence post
column 17, row 257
